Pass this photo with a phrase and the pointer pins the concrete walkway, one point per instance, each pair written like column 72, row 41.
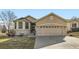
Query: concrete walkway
column 57, row 42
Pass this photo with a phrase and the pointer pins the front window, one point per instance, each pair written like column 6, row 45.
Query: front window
column 20, row 24
column 26, row 25
column 74, row 25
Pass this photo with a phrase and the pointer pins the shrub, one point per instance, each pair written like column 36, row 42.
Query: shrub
column 11, row 33
column 70, row 35
column 4, row 29
column 69, row 31
column 21, row 34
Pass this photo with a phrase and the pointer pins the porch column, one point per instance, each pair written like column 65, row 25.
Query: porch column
column 23, row 25
column 17, row 25
column 77, row 25
column 29, row 25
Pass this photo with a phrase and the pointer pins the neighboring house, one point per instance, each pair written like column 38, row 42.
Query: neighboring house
column 24, row 25
column 73, row 24
column 50, row 25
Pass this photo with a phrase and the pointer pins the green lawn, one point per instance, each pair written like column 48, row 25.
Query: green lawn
column 17, row 42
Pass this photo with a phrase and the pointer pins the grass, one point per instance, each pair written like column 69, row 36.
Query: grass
column 75, row 34
column 17, row 42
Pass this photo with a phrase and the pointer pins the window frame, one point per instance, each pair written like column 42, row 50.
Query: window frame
column 20, row 25
column 74, row 25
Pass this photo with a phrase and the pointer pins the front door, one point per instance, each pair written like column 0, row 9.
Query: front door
column 33, row 28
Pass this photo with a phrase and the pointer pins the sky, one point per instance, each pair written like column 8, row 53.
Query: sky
column 38, row 13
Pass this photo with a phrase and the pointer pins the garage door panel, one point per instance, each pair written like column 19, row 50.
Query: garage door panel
column 50, row 31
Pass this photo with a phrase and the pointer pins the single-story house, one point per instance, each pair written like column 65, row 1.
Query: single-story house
column 24, row 25
column 49, row 25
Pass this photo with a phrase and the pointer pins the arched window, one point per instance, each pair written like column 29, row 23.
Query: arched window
column 46, row 26
column 40, row 26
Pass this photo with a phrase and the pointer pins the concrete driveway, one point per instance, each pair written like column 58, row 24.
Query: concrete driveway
column 43, row 41
column 57, row 42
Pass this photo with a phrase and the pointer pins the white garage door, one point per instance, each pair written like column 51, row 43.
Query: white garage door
column 50, row 30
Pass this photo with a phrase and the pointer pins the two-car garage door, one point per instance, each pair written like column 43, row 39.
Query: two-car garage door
column 51, row 30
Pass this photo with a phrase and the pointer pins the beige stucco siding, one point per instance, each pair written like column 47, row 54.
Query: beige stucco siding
column 68, row 26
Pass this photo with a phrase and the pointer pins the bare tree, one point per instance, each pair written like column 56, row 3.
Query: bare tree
column 7, row 17
column 74, row 18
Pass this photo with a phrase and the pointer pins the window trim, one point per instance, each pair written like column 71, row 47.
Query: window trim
column 20, row 26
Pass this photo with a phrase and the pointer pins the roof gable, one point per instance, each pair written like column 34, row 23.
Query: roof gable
column 51, row 14
column 29, row 18
column 51, row 19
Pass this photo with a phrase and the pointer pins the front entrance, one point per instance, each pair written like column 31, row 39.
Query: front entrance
column 33, row 29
